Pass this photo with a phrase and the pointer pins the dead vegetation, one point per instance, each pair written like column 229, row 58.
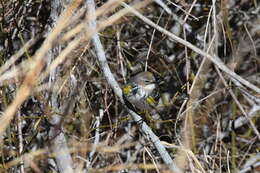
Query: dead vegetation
column 62, row 110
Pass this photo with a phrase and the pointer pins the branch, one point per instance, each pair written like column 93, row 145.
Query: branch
column 116, row 88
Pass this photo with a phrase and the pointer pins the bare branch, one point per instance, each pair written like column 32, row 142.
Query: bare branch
column 115, row 86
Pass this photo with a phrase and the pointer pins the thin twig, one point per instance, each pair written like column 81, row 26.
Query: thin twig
column 239, row 105
column 16, row 56
column 164, row 6
column 96, row 138
column 20, row 136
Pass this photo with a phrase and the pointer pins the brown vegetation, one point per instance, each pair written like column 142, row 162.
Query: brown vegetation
column 62, row 110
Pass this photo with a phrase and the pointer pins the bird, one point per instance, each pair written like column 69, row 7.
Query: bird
column 141, row 91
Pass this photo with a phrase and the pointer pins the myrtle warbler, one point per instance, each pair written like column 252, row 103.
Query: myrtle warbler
column 142, row 91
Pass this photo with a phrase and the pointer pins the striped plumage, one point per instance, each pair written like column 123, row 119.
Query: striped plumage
column 142, row 91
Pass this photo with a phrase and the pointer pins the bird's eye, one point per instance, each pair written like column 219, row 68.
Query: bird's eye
column 147, row 81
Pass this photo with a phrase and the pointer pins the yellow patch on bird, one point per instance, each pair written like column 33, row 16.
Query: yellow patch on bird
column 127, row 89
column 150, row 100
